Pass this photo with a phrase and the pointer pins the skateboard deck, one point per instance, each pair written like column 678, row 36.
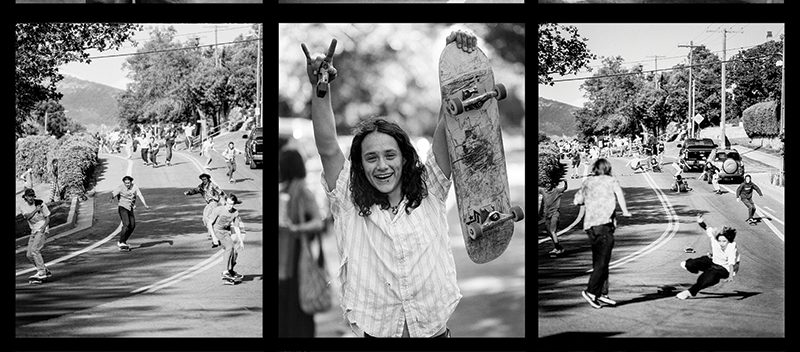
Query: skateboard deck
column 475, row 146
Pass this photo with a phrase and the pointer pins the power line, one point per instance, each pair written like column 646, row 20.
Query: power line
column 173, row 49
column 662, row 70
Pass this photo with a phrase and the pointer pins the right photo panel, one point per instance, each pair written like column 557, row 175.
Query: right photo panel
column 661, row 207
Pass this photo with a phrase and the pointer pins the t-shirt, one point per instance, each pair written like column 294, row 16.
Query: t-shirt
column 188, row 130
column 597, row 194
column 222, row 219
column 37, row 221
column 127, row 197
column 230, row 154
column 169, row 141
column 552, row 199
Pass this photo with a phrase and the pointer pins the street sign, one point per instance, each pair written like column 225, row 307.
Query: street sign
column 698, row 118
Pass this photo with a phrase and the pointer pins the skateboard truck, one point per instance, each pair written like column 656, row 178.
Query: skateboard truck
column 493, row 219
column 456, row 106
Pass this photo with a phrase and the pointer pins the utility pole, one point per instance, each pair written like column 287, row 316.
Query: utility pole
column 723, row 93
column 259, row 118
column 690, row 111
column 783, row 105
column 45, row 123
column 656, row 71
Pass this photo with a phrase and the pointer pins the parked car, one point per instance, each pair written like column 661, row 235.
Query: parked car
column 729, row 163
column 254, row 148
column 695, row 152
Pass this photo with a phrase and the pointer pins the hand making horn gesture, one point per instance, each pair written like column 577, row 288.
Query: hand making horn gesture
column 320, row 68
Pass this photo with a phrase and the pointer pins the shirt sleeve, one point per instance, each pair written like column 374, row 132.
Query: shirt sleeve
column 758, row 190
column 339, row 196
column 438, row 184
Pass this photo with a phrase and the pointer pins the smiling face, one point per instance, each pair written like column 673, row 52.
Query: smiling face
column 383, row 164
column 723, row 242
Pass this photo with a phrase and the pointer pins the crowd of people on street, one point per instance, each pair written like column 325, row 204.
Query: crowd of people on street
column 220, row 217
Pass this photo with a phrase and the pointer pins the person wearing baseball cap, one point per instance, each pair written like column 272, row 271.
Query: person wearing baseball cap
column 38, row 216
column 211, row 195
column 126, row 195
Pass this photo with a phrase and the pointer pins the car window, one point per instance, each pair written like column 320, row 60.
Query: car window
column 720, row 156
column 734, row 156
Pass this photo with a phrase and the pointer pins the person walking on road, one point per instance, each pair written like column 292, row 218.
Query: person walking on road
column 299, row 217
column 551, row 196
column 212, row 195
column 169, row 144
column 144, row 145
column 712, row 174
column 599, row 194
column 153, row 151
column 230, row 160
column 745, row 194
column 576, row 162
column 398, row 273
column 723, row 263
column 222, row 221
column 208, row 146
column 187, row 132
column 38, row 216
column 126, row 196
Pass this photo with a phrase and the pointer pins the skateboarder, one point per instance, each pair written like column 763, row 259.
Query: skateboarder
column 397, row 268
column 576, row 162
column 551, row 195
column 27, row 179
column 153, row 150
column 212, row 195
column 169, row 143
column 187, row 132
column 222, row 220
column 599, row 194
column 208, row 146
column 723, row 263
column 230, row 160
column 126, row 195
column 38, row 216
column 745, row 194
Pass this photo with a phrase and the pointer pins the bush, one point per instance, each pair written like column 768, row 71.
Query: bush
column 550, row 168
column 77, row 158
column 762, row 119
column 34, row 152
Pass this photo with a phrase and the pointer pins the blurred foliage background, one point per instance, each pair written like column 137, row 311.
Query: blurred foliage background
column 392, row 70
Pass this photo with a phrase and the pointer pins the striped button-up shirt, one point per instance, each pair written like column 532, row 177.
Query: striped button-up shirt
column 127, row 196
column 395, row 269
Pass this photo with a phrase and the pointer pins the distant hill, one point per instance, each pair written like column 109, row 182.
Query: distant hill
column 90, row 104
column 556, row 118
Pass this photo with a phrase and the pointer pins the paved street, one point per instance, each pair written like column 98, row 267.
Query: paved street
column 645, row 272
column 169, row 284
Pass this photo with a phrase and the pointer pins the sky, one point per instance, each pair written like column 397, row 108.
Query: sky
column 109, row 71
column 638, row 43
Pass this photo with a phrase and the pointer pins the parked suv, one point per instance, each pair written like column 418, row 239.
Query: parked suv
column 729, row 163
column 695, row 152
column 254, row 148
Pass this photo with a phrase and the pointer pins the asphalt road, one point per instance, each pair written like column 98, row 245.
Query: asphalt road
column 645, row 272
column 169, row 285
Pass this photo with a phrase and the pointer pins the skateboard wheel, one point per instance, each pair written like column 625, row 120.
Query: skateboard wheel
column 502, row 93
column 455, row 107
column 475, row 230
column 519, row 214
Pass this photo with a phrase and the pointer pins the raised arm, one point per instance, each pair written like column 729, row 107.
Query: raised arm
column 322, row 116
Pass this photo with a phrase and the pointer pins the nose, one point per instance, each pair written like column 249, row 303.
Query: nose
column 381, row 164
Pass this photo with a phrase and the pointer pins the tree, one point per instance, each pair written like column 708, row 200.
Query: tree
column 41, row 47
column 561, row 51
column 612, row 107
column 756, row 76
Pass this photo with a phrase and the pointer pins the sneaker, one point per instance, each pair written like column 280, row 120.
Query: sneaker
column 37, row 276
column 226, row 275
column 556, row 251
column 214, row 245
column 228, row 281
column 683, row 265
column 591, row 299
column 231, row 181
column 684, row 294
column 48, row 273
column 606, row 300
column 236, row 275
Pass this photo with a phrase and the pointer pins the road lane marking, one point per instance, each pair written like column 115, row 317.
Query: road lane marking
column 764, row 218
column 168, row 281
column 75, row 254
column 768, row 208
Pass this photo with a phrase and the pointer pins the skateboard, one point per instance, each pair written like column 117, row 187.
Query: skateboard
column 233, row 281
column 124, row 249
column 475, row 146
column 38, row 281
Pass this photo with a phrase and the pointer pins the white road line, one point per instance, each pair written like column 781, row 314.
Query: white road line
column 766, row 220
column 768, row 208
column 568, row 228
column 75, row 254
column 669, row 232
column 770, row 216
column 157, row 285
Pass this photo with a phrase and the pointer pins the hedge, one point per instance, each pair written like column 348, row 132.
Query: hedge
column 33, row 152
column 77, row 158
column 550, row 169
column 762, row 119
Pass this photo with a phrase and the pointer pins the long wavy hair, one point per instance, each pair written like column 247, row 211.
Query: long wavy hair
column 412, row 184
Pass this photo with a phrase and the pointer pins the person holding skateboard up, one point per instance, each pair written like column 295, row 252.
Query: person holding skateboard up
column 212, row 195
column 600, row 193
column 126, row 196
column 551, row 195
column 397, row 269
column 723, row 263
column 222, row 220
column 38, row 216
column 745, row 194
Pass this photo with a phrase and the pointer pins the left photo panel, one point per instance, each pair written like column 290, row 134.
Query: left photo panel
column 139, row 188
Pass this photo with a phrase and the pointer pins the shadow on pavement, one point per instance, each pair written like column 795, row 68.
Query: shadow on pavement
column 666, row 291
column 573, row 335
column 737, row 293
